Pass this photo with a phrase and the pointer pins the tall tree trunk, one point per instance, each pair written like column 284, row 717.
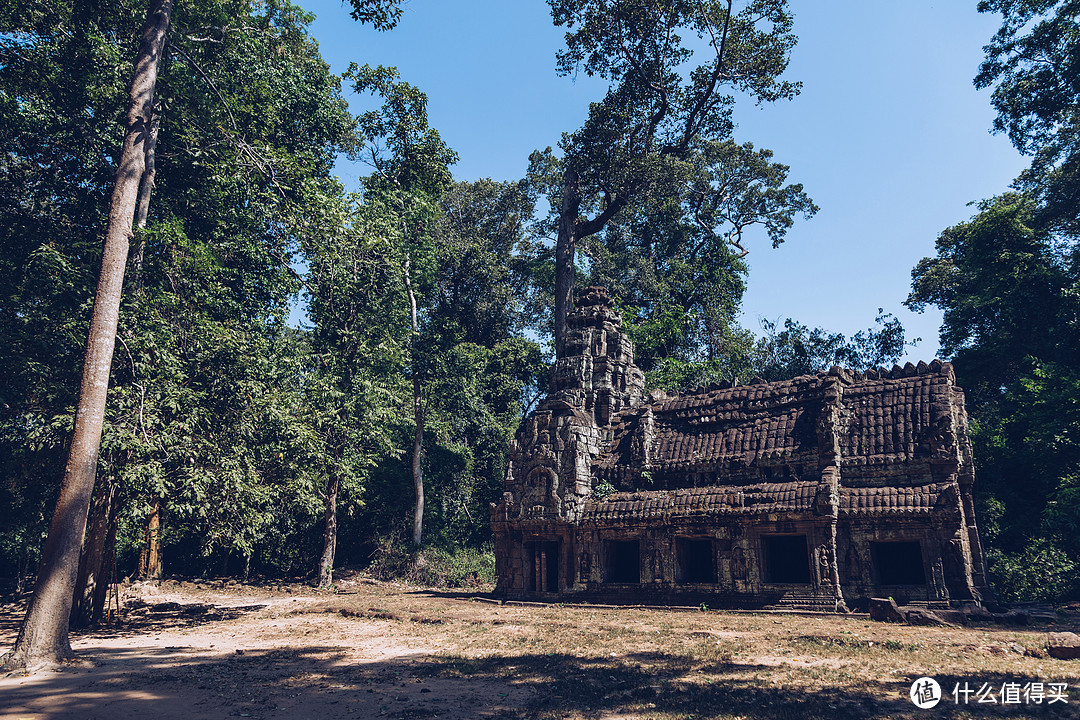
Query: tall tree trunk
column 92, row 563
column 43, row 638
column 324, row 575
column 150, row 555
column 418, row 415
column 417, row 473
column 146, row 189
column 565, row 247
column 108, row 566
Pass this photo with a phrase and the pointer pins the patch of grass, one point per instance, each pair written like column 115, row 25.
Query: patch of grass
column 830, row 641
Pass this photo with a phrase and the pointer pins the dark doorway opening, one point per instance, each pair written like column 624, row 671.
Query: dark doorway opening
column 623, row 561
column 786, row 559
column 544, row 566
column 898, row 563
column 694, row 561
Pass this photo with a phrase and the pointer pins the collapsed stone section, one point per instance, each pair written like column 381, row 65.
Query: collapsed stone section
column 821, row 491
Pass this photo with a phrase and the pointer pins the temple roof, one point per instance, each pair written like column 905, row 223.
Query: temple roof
column 875, row 418
column 795, row 496
column 879, row 500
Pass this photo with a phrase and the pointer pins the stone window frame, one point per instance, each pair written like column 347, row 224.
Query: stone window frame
column 714, row 561
column 875, row 570
column 764, row 559
column 606, row 550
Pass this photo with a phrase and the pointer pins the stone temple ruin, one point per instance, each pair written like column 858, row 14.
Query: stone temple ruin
column 817, row 492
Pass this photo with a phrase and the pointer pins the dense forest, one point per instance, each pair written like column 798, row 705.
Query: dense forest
column 375, row 434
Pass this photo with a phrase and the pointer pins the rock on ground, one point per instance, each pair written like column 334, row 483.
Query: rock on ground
column 1063, row 645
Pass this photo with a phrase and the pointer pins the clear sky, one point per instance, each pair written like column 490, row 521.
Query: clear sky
column 889, row 137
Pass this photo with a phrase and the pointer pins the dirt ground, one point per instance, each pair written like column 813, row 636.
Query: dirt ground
column 376, row 650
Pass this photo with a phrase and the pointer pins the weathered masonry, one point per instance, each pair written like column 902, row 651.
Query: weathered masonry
column 821, row 491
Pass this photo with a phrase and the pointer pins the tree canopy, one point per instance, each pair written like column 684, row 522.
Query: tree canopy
column 1008, row 283
column 643, row 142
column 238, row 442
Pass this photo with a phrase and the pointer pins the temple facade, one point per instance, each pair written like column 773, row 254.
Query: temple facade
column 817, row 492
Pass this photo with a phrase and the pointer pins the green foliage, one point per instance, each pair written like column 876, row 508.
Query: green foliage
column 780, row 354
column 657, row 146
column 485, row 288
column 381, row 14
column 1007, row 289
column 1008, row 283
column 410, row 157
column 475, row 369
column 1040, row 571
column 204, row 402
column 602, row 489
column 479, row 371
column 1031, row 64
column 461, row 567
column 239, row 427
column 671, row 195
column 1004, row 289
column 798, row 350
column 654, row 90
column 675, row 263
column 1028, row 63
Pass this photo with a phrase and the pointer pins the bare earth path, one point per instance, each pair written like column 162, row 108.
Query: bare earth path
column 387, row 651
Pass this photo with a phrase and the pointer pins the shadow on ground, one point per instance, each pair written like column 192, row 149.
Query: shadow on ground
column 326, row 682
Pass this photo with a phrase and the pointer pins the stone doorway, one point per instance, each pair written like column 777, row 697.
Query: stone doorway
column 544, row 566
column 694, row 561
column 622, row 561
column 898, row 563
column 786, row 559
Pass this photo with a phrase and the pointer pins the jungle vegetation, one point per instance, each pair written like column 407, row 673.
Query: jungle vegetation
column 236, row 443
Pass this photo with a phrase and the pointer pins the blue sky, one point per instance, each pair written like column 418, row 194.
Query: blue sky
column 889, row 136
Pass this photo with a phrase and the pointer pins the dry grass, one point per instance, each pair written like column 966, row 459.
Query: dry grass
column 582, row 662
column 379, row 650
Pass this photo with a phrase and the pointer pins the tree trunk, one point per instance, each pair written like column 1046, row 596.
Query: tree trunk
column 150, row 556
column 324, row 576
column 146, row 188
column 565, row 247
column 417, row 473
column 43, row 638
column 92, row 564
column 418, row 415
column 108, row 567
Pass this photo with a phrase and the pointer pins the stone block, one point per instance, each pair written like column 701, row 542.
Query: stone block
column 927, row 618
column 885, row 610
column 1063, row 645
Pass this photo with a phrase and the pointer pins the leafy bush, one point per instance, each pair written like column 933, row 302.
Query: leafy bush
column 1041, row 572
column 433, row 566
column 603, row 489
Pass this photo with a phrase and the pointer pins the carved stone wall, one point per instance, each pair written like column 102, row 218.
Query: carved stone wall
column 820, row 491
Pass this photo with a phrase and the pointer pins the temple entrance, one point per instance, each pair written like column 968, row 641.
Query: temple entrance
column 543, row 560
column 786, row 559
column 622, row 561
column 898, row 563
column 694, row 561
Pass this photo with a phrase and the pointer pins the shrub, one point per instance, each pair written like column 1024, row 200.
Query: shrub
column 1041, row 572
column 433, row 566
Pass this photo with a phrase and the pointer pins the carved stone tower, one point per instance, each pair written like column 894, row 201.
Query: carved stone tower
column 597, row 373
column 550, row 473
